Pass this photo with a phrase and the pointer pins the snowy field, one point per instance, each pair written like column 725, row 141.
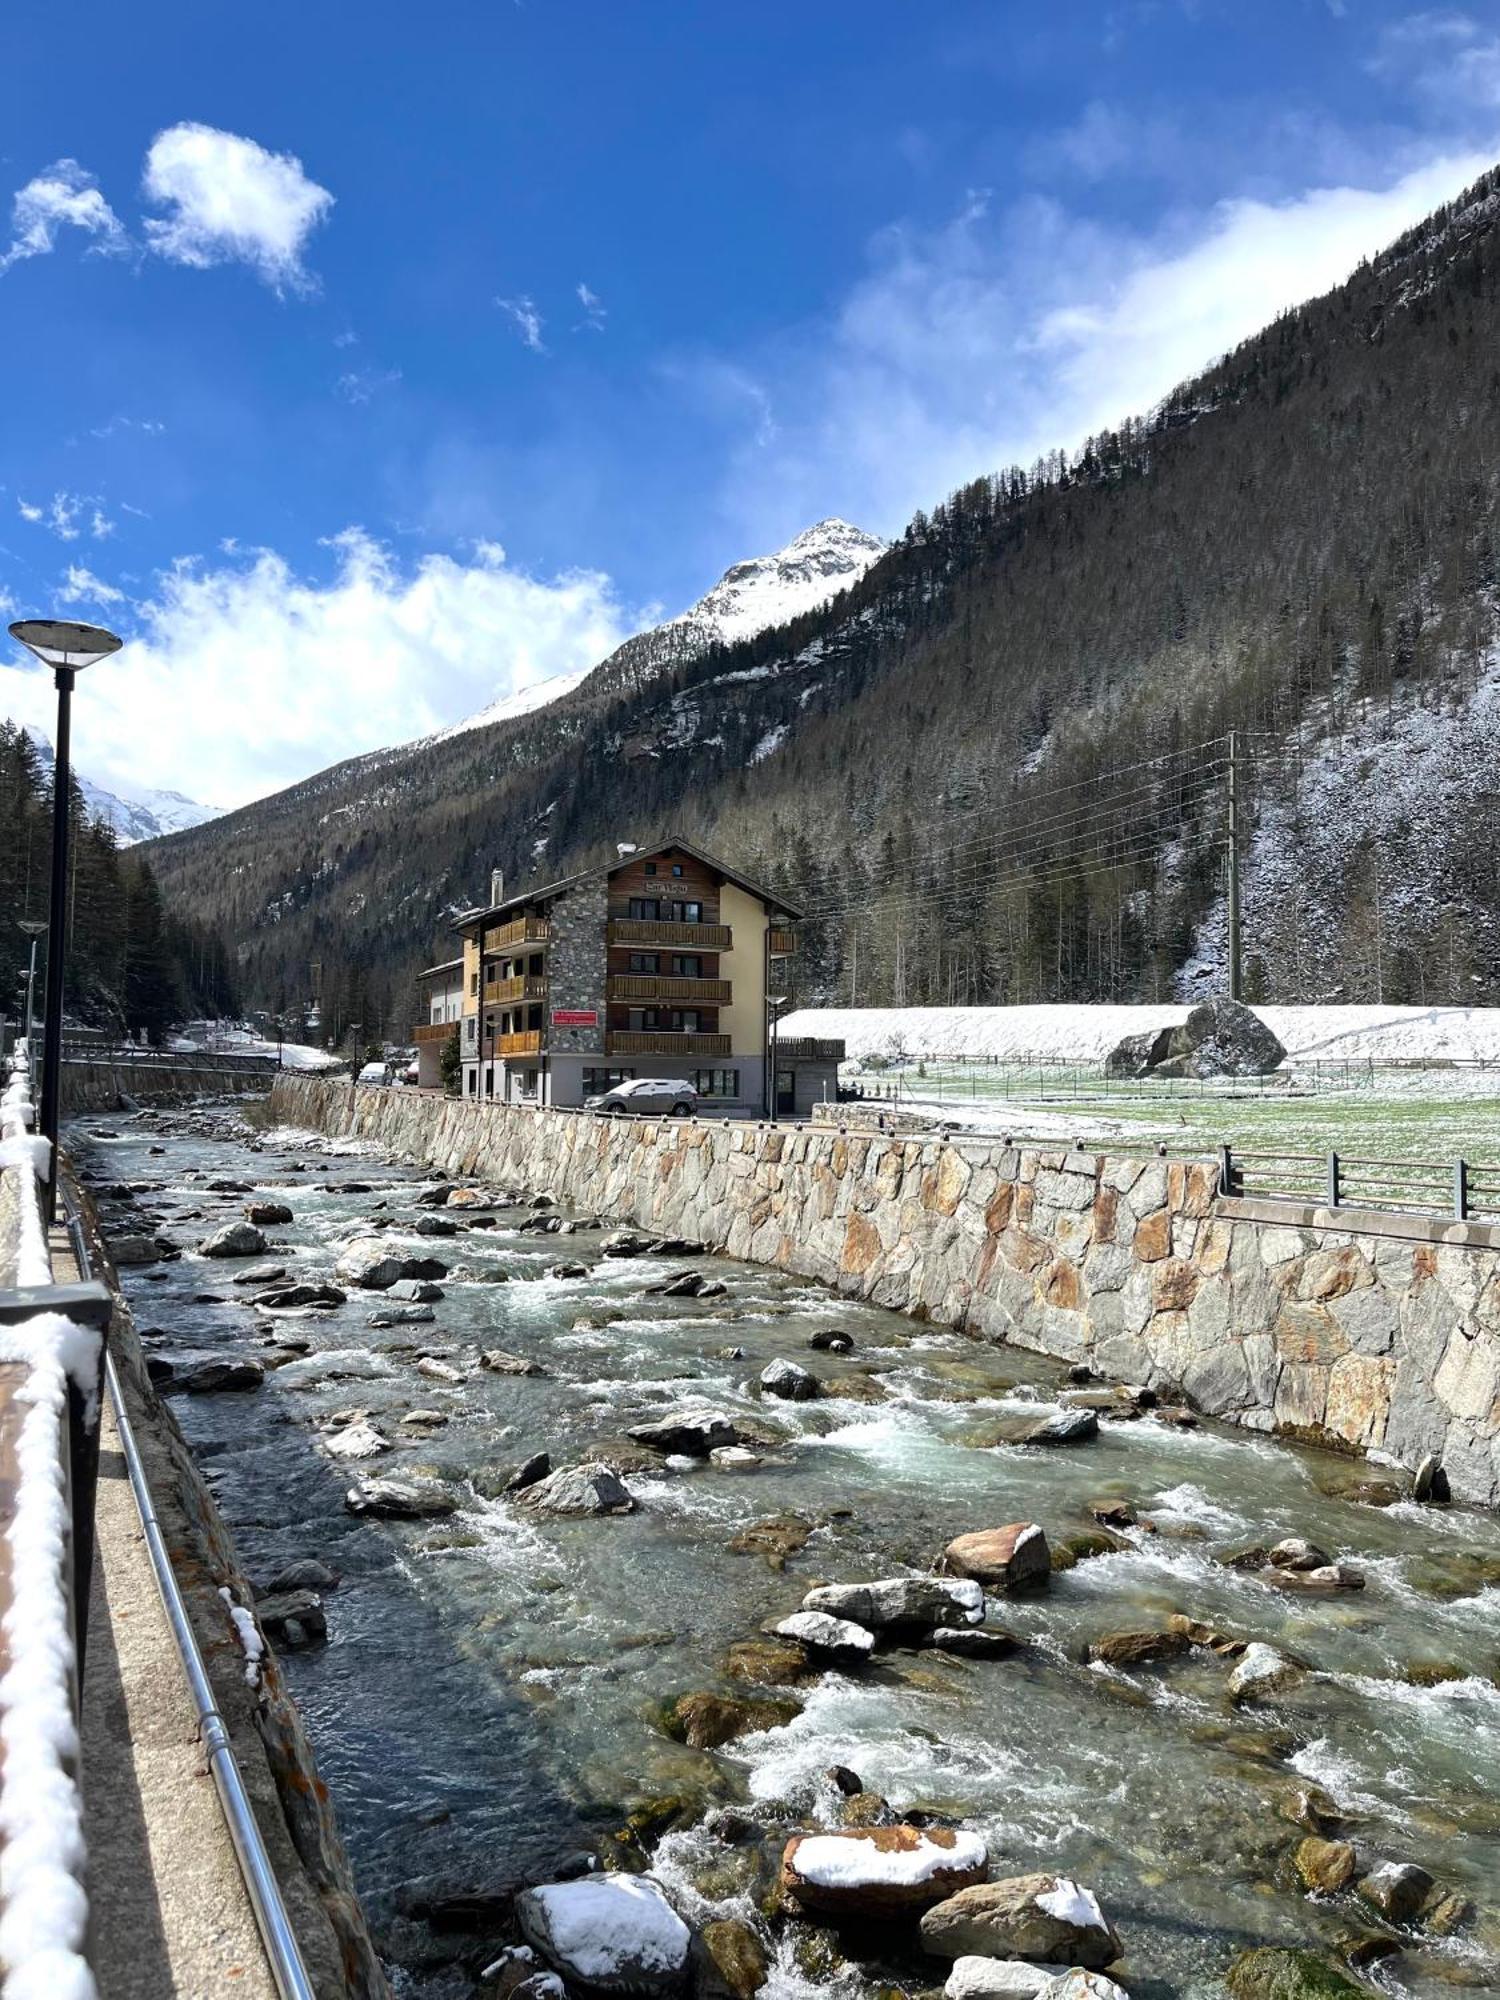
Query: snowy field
column 1087, row 1034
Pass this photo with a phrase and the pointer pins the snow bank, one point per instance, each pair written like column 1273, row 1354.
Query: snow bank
column 833, row 1861
column 1088, row 1033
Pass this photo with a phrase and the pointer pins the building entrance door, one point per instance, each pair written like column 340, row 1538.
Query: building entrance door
column 786, row 1092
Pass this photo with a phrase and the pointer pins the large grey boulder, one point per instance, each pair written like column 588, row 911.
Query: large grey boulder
column 692, row 1432
column 1050, row 1918
column 790, row 1381
column 236, row 1239
column 400, row 1499
column 1218, row 1038
column 212, row 1377
column 579, row 1489
column 614, row 1934
column 996, row 1979
column 370, row 1263
column 925, row 1602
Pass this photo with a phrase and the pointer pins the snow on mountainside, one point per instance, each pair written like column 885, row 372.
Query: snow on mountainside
column 142, row 815
column 749, row 597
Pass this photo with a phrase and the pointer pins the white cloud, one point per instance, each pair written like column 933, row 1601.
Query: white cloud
column 246, row 677
column 362, row 385
column 527, row 321
column 80, row 585
column 232, row 202
column 1444, row 56
column 67, row 514
column 995, row 338
column 595, row 313
column 63, row 196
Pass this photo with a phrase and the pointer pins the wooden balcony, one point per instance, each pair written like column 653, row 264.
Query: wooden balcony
column 524, row 986
column 519, row 931
column 629, row 1042
column 781, row 944
column 804, row 1048
column 528, row 1043
column 641, row 930
column 433, row 1031
column 670, row 986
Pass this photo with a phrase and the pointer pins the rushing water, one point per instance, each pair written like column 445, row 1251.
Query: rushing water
column 489, row 1699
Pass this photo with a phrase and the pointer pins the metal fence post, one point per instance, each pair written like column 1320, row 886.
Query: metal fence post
column 1227, row 1171
column 1333, row 1180
column 1461, row 1189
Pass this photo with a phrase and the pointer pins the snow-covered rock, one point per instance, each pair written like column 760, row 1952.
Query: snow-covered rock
column 580, row 1489
column 901, row 1600
column 881, row 1871
column 839, row 1638
column 1051, row 1918
column 1262, row 1670
column 976, row 1978
column 609, row 1933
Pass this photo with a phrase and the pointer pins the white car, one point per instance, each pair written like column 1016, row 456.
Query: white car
column 645, row 1096
column 375, row 1072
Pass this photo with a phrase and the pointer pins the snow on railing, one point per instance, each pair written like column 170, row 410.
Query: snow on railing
column 43, row 1906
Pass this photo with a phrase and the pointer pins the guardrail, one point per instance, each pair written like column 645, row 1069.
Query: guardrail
column 208, row 1062
column 1459, row 1190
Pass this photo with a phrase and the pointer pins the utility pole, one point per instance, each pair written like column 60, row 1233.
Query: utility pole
column 1234, row 869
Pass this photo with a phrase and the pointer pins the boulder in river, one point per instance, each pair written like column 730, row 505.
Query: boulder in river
column 703, row 1720
column 1138, row 1649
column 528, row 1472
column 459, row 1197
column 1261, row 1671
column 1051, row 1918
column 790, row 1381
column 434, row 1225
column 831, row 1340
column 293, row 1619
column 1296, row 1553
column 1324, row 1866
column 1014, row 1558
column 919, row 1601
column 1062, row 1427
column 1274, row 1972
column 400, row 1499
column 235, row 1239
column 1078, row 1984
column 370, row 1263
column 579, row 1489
column 211, row 1377
column 833, row 1638
column 127, row 1252
column 688, row 1285
column 259, row 1274
column 973, row 1642
column 267, row 1214
column 625, row 1243
column 692, row 1432
column 499, row 1361
column 996, row 1979
column 612, row 1934
column 1398, row 1889
column 417, row 1291
column 356, row 1440
column 307, row 1573
column 292, row 1298
column 880, row 1872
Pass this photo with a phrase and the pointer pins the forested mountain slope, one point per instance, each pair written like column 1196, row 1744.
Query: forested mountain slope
column 1299, row 546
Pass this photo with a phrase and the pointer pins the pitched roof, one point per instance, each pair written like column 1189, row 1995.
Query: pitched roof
column 547, row 891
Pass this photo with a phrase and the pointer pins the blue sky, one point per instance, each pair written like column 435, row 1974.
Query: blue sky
column 364, row 365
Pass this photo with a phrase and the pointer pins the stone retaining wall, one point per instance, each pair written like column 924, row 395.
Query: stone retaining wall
column 1380, row 1334
column 100, row 1086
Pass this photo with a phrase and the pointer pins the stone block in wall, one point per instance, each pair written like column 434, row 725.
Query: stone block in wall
column 1106, row 1267
column 1174, row 1285
column 1302, row 1395
column 1359, row 1393
column 1217, row 1379
column 1367, row 1319
column 1330, row 1273
column 1153, row 1236
column 944, row 1182
column 1468, row 1377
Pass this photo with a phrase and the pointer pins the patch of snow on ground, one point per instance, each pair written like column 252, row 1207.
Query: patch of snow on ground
column 248, row 1633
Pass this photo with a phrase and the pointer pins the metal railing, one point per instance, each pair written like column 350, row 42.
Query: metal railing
column 205, row 1062
column 1457, row 1190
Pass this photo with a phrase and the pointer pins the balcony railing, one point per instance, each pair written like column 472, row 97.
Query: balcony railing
column 669, row 986
column 803, row 1048
column 781, row 944
column 623, row 1042
column 642, row 930
column 520, row 930
column 522, row 986
column 433, row 1031
column 527, row 1043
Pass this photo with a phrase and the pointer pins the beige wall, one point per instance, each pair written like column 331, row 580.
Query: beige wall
column 744, row 1019
column 471, row 966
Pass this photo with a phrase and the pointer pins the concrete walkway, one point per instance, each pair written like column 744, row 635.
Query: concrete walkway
column 170, row 1915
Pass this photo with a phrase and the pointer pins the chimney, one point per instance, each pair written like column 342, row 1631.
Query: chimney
column 497, row 886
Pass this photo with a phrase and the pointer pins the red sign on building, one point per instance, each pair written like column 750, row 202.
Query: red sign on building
column 575, row 1017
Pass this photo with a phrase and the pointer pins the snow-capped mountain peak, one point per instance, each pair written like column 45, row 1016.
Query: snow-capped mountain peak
column 769, row 590
column 144, row 815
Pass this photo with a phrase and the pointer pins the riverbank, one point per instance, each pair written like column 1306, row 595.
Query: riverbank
column 1378, row 1335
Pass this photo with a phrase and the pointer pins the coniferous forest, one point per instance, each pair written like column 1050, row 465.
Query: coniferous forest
column 997, row 768
column 133, row 967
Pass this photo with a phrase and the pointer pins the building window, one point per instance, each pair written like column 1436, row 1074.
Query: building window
column 716, row 1082
column 597, row 1081
column 688, row 965
column 473, row 982
column 645, row 961
column 645, row 909
column 651, row 868
column 676, row 867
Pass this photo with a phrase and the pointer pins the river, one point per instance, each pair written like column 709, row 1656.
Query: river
column 489, row 1700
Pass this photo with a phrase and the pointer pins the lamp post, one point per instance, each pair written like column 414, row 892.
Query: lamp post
column 66, row 648
column 34, row 928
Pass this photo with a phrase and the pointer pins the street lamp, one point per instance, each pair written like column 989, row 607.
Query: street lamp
column 34, row 928
column 66, row 648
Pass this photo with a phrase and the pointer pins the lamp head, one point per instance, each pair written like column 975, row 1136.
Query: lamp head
column 58, row 642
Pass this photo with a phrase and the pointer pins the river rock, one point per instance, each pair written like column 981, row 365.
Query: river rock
column 1398, row 1889
column 613, row 1934
column 831, row 1340
column 880, row 1872
column 996, row 1979
column 293, row 1619
column 625, row 1243
column 973, row 1642
column 400, row 1499
column 735, row 1458
column 688, row 1285
column 370, row 1263
column 418, row 1291
column 425, row 1420
column 788, row 1380
column 738, row 1957
column 832, row 1638
column 692, row 1432
column 357, row 1440
column 128, row 1252
column 462, row 1197
column 579, row 1489
column 209, row 1378
column 1062, row 1427
column 704, row 1721
column 528, row 1472
column 291, row 1298
column 259, row 1274
column 1047, row 1917
column 1296, row 1553
column 1324, row 1866
column 439, row 1371
column 1014, row 1558
column 267, row 1213
column 921, row 1601
column 434, row 1225
column 567, row 1270
column 500, row 1362
column 1138, row 1649
column 1261, row 1671
column 1272, row 1972
column 235, row 1239
column 402, row 1316
column 305, row 1574
column 1081, row 1985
